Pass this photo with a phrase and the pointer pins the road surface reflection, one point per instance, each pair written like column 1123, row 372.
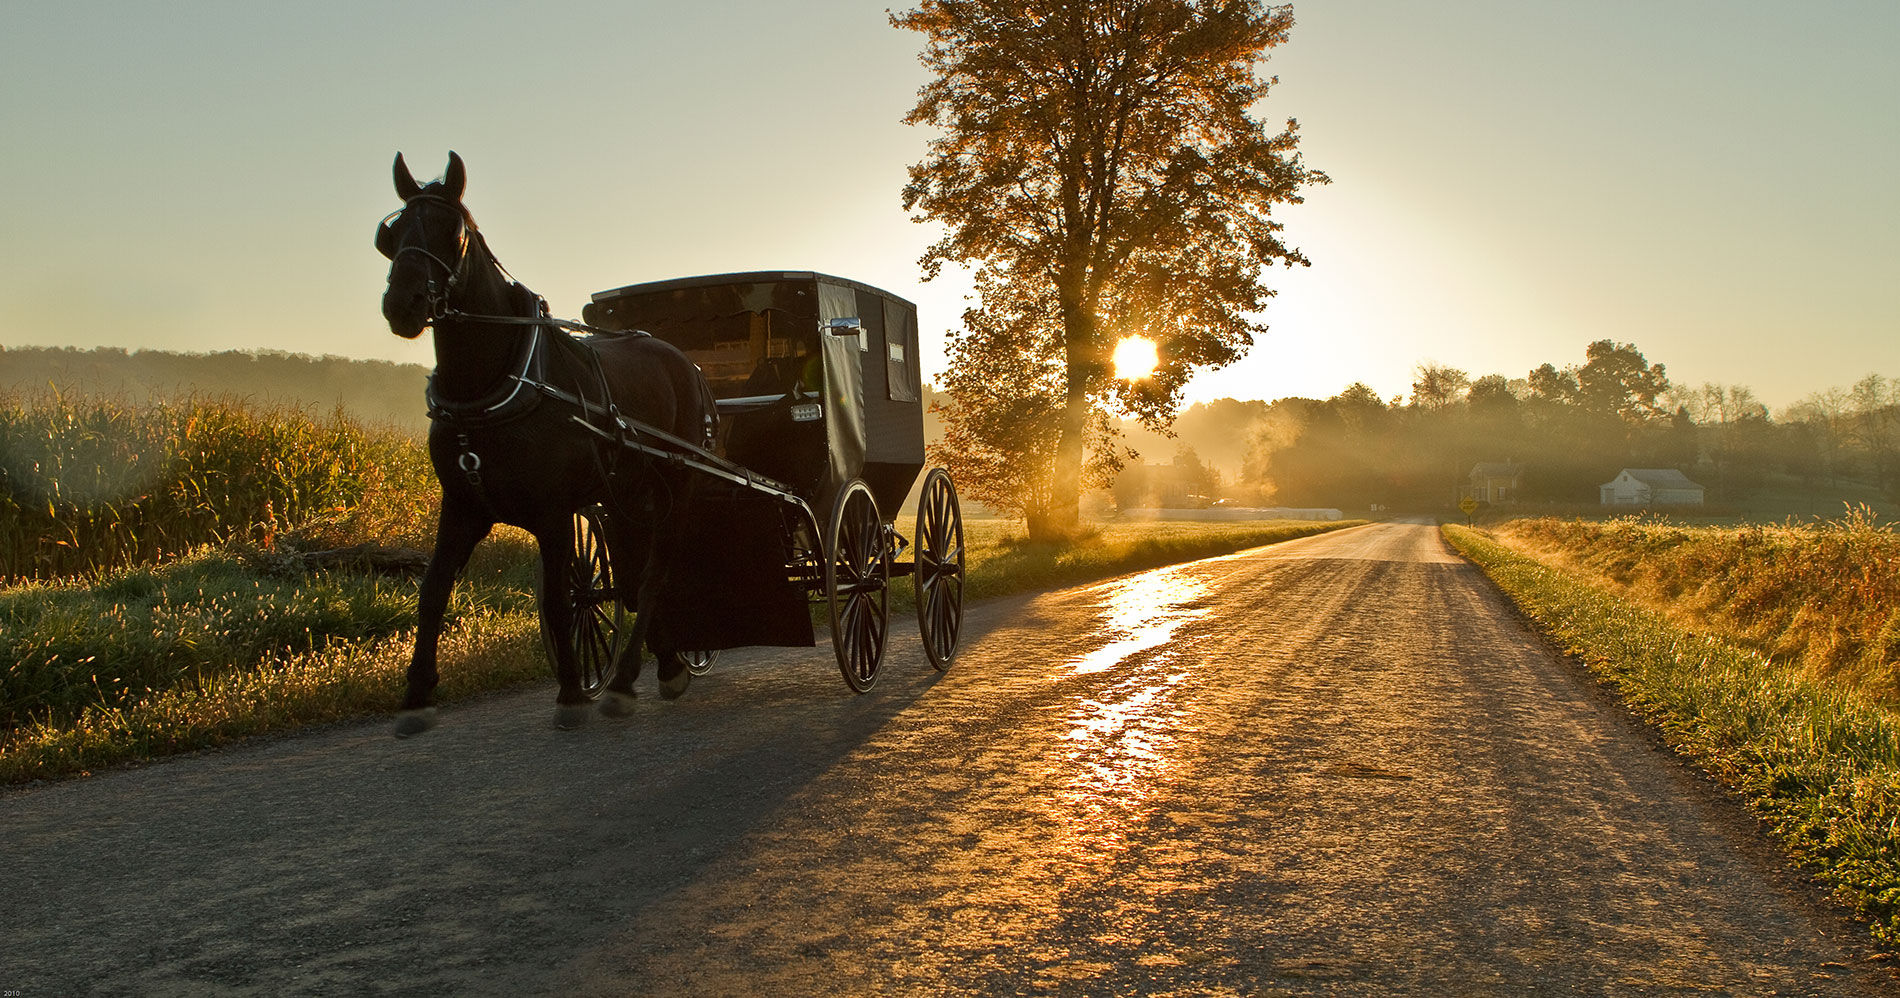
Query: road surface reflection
column 1143, row 612
column 1120, row 740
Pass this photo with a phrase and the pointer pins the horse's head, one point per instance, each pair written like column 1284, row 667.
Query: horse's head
column 427, row 244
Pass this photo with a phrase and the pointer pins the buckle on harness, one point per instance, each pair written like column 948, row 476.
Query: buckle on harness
column 471, row 465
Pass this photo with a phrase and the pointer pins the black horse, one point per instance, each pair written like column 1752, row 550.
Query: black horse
column 507, row 385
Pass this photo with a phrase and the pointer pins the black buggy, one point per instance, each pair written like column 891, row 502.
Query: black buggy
column 820, row 440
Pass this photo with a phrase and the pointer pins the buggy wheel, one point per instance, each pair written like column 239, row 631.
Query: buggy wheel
column 598, row 618
column 699, row 662
column 857, row 585
column 939, row 570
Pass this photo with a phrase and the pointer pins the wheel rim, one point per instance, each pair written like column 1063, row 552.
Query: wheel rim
column 596, row 612
column 938, row 575
column 857, row 581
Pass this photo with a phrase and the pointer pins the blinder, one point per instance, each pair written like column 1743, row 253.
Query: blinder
column 386, row 234
column 388, row 240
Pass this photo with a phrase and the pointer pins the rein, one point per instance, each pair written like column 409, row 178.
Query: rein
column 546, row 320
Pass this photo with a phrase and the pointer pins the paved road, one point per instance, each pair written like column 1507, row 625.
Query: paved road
column 1334, row 766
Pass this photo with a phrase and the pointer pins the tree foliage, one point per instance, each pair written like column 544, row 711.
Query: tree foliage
column 1098, row 163
column 999, row 435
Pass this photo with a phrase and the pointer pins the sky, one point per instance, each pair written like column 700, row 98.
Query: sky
column 1711, row 181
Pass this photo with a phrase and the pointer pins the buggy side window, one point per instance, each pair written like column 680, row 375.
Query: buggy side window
column 903, row 372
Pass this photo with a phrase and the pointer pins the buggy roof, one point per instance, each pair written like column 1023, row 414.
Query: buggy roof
column 750, row 277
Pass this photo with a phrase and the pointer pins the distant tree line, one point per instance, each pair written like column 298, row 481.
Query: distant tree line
column 371, row 391
column 1571, row 428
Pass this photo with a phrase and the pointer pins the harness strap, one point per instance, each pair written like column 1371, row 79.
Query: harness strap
column 546, row 320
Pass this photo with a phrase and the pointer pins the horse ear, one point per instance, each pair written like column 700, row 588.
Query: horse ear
column 456, row 179
column 406, row 186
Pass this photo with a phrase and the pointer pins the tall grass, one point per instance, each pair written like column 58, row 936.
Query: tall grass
column 1817, row 759
column 92, row 484
column 1820, row 596
column 483, row 652
column 68, row 647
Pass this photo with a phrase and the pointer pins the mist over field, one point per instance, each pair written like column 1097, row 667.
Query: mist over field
column 1836, row 446
column 372, row 391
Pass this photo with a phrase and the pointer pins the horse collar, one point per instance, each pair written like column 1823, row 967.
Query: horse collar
column 511, row 400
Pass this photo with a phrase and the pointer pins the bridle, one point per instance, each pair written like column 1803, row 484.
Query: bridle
column 436, row 297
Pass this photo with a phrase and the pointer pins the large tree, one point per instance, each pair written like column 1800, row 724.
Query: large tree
column 1099, row 164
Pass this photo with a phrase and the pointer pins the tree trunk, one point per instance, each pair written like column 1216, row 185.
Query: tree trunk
column 1062, row 519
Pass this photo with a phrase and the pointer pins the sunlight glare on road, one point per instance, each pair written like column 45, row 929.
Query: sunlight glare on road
column 1121, row 740
column 1136, row 357
column 1143, row 612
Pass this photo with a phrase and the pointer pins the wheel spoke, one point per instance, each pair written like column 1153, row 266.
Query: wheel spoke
column 938, row 570
column 857, row 580
column 594, row 610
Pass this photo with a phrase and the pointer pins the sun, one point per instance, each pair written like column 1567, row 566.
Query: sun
column 1136, row 358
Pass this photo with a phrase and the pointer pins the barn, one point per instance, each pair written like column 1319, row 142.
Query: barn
column 1650, row 487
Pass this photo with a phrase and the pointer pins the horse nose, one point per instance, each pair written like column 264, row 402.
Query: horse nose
column 405, row 312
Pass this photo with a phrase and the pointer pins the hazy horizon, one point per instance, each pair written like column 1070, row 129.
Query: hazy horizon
column 1511, row 182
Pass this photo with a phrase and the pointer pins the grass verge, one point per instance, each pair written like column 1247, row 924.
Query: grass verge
column 486, row 652
column 1820, row 596
column 212, row 662
column 1819, row 762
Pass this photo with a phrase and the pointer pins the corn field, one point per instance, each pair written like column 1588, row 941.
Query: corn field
column 89, row 485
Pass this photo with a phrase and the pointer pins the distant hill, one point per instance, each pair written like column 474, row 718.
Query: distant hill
column 371, row 391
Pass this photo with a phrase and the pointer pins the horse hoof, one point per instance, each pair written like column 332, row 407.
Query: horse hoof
column 614, row 703
column 567, row 717
column 675, row 687
column 414, row 722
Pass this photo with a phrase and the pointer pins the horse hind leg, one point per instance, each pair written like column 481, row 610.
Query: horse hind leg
column 617, row 699
column 556, row 541
column 674, row 676
column 631, row 544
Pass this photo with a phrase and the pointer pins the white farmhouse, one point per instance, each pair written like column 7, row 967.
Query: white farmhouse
column 1650, row 487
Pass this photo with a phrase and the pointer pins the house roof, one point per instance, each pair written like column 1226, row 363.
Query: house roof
column 1658, row 478
column 1495, row 469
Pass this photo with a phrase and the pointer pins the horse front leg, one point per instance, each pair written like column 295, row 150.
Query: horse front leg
column 456, row 533
column 556, row 540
